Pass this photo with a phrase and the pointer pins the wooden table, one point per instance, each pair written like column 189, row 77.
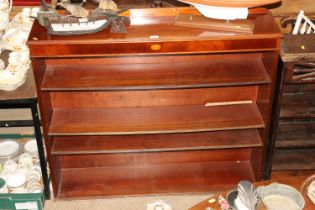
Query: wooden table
column 293, row 181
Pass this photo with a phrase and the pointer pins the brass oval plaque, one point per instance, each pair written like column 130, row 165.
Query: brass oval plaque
column 155, row 47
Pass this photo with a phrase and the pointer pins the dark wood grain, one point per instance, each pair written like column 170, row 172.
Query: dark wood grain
column 150, row 173
column 45, row 107
column 138, row 98
column 175, row 47
column 148, row 120
column 294, row 159
column 298, row 106
column 110, row 181
column 293, row 174
column 235, row 26
column 139, row 39
column 299, row 47
column 156, row 143
column 194, row 72
column 300, row 71
column 153, row 158
column 299, row 88
column 295, row 135
column 292, row 130
column 164, row 18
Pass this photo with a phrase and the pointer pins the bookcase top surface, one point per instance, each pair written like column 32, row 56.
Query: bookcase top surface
column 157, row 24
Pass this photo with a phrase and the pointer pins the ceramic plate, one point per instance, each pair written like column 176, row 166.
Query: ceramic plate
column 31, row 146
column 9, row 148
column 16, row 180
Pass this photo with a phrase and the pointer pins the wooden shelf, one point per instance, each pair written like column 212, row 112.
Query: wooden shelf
column 198, row 71
column 156, row 142
column 293, row 159
column 149, row 120
column 297, row 135
column 298, row 106
column 139, row 180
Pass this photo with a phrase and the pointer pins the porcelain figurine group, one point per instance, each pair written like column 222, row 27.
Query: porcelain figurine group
column 13, row 36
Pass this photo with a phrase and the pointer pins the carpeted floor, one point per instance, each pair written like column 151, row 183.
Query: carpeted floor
column 178, row 202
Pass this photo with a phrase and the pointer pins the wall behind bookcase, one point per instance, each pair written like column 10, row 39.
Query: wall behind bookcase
column 294, row 6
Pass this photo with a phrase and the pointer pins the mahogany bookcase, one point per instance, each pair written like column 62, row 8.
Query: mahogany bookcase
column 161, row 109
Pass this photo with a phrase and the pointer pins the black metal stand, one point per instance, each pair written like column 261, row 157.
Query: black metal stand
column 35, row 122
column 26, row 97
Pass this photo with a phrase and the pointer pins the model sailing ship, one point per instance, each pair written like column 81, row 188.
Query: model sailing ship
column 227, row 9
column 80, row 20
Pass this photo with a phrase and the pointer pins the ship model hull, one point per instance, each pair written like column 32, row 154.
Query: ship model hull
column 65, row 25
column 95, row 21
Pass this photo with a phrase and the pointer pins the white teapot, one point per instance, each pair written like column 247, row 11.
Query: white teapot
column 5, row 8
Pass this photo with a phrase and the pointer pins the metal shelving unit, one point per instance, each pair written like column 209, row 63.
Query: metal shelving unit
column 26, row 97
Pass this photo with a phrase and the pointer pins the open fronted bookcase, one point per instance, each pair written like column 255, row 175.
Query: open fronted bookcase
column 161, row 109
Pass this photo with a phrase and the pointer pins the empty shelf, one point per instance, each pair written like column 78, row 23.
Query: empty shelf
column 149, row 120
column 156, row 142
column 138, row 180
column 213, row 71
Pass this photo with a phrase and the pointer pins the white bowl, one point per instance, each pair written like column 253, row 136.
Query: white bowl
column 22, row 169
column 16, row 181
column 31, row 147
column 10, row 166
column 5, row 175
column 26, row 160
column 280, row 196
